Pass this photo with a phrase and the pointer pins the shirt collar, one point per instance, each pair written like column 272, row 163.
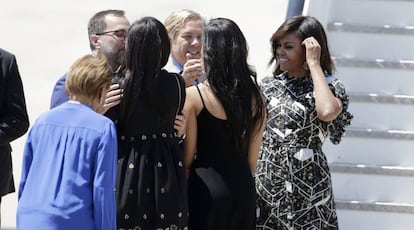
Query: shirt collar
column 178, row 65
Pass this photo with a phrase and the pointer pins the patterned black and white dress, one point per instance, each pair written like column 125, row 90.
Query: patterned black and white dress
column 293, row 181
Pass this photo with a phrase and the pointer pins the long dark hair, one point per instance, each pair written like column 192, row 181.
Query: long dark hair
column 148, row 49
column 232, row 80
column 303, row 27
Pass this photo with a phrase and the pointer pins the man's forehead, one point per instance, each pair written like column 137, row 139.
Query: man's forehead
column 192, row 26
column 116, row 20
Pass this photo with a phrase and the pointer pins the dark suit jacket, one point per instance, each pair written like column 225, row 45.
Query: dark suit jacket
column 59, row 95
column 14, row 120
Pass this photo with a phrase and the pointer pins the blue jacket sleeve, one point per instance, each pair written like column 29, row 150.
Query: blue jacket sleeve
column 104, row 180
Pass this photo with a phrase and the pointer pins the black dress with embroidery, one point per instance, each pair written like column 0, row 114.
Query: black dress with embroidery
column 220, row 186
column 151, row 185
column 293, row 181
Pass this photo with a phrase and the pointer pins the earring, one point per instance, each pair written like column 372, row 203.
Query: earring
column 305, row 66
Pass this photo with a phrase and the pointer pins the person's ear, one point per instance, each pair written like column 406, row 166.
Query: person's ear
column 95, row 41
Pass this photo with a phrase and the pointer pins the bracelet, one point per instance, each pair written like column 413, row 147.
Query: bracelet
column 181, row 138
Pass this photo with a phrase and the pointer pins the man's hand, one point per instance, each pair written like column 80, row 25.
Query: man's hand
column 113, row 98
column 192, row 70
column 180, row 125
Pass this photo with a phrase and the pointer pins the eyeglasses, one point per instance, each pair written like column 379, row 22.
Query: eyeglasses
column 117, row 34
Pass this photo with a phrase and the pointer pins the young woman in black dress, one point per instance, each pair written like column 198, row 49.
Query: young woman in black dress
column 225, row 121
column 151, row 184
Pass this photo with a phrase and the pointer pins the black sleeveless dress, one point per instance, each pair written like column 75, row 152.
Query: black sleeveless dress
column 220, row 185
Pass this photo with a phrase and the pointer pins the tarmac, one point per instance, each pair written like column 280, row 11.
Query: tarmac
column 47, row 36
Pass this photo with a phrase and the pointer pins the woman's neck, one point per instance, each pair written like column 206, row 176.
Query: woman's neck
column 82, row 100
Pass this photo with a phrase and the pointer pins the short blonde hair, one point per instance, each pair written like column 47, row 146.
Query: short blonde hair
column 176, row 20
column 88, row 76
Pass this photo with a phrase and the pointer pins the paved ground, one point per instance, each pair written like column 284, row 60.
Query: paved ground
column 47, row 36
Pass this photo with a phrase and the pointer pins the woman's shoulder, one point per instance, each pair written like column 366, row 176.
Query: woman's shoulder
column 330, row 79
column 274, row 77
column 193, row 91
column 166, row 73
column 171, row 76
column 334, row 82
column 194, row 95
column 271, row 81
column 267, row 78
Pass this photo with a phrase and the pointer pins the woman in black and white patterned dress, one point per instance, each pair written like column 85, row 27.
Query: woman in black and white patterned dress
column 306, row 105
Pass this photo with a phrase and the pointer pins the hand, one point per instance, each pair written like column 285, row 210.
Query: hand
column 113, row 98
column 313, row 51
column 192, row 70
column 180, row 125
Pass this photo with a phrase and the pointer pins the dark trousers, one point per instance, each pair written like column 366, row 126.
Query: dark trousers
column 0, row 212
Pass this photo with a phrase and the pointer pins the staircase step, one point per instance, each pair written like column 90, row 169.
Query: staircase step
column 385, row 51
column 380, row 134
column 374, row 63
column 381, row 119
column 371, row 151
column 371, row 12
column 356, row 28
column 375, row 206
column 348, row 186
column 352, row 219
column 376, row 80
column 381, row 98
column 386, row 170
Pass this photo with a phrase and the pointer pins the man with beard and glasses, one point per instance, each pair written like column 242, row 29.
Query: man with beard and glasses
column 107, row 31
